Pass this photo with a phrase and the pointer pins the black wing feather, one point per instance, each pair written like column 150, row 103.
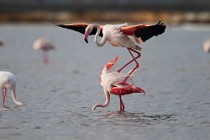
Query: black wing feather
column 80, row 28
column 146, row 33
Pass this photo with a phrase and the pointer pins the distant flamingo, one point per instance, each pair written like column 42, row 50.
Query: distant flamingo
column 44, row 45
column 111, row 83
column 8, row 81
column 118, row 35
column 206, row 46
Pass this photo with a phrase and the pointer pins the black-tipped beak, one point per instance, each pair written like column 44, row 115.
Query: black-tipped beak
column 86, row 40
column 60, row 25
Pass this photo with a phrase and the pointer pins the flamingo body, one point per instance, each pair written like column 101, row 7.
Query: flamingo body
column 8, row 81
column 110, row 81
column 115, row 37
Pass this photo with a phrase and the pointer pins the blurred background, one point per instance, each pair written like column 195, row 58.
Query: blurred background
column 171, row 12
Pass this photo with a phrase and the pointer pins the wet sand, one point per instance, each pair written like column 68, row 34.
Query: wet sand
column 58, row 97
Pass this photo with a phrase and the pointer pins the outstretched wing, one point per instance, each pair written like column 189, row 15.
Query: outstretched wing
column 80, row 27
column 144, row 31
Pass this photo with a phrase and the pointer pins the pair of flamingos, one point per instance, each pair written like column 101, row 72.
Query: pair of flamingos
column 118, row 35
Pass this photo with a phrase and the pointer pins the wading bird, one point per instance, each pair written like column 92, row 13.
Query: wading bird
column 111, row 83
column 206, row 46
column 8, row 81
column 44, row 45
column 119, row 34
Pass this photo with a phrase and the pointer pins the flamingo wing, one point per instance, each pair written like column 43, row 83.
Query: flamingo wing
column 80, row 27
column 144, row 31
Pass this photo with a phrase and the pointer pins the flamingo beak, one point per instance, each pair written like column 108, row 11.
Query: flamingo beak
column 86, row 37
column 111, row 63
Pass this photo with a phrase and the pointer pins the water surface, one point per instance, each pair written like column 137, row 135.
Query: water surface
column 58, row 97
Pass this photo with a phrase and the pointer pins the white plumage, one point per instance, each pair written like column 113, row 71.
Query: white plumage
column 8, row 81
column 206, row 46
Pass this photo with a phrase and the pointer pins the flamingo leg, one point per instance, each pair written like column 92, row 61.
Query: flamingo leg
column 137, row 65
column 45, row 59
column 4, row 92
column 134, row 58
column 122, row 107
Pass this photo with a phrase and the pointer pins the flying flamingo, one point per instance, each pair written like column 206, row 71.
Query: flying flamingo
column 119, row 35
column 8, row 81
column 44, row 45
column 111, row 83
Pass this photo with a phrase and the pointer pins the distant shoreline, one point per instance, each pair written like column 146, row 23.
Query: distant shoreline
column 170, row 17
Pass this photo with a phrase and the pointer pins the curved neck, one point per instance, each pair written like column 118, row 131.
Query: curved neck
column 103, row 41
column 14, row 97
column 107, row 96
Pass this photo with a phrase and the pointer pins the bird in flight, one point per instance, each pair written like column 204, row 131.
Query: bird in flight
column 119, row 35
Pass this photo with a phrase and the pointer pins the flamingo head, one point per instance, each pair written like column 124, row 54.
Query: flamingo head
column 88, row 30
column 109, row 65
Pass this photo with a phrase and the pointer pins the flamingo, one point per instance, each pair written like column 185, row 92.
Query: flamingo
column 119, row 35
column 206, row 46
column 8, row 81
column 44, row 45
column 111, row 83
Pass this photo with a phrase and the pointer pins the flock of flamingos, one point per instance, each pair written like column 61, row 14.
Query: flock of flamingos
column 113, row 82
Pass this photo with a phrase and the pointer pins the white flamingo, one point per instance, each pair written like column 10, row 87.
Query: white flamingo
column 206, row 46
column 119, row 35
column 44, row 45
column 8, row 81
column 111, row 83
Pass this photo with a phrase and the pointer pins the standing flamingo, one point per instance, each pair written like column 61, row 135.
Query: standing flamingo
column 8, row 81
column 111, row 83
column 44, row 45
column 119, row 35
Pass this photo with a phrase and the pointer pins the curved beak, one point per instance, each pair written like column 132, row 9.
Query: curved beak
column 86, row 37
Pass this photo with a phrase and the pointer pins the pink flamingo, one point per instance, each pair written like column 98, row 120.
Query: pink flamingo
column 119, row 35
column 8, row 81
column 111, row 83
column 44, row 45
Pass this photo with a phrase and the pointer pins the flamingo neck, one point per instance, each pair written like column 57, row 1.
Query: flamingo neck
column 14, row 97
column 107, row 96
column 103, row 41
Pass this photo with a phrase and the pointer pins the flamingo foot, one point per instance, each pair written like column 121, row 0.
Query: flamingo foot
column 4, row 106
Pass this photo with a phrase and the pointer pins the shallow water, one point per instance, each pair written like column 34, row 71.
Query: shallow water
column 58, row 97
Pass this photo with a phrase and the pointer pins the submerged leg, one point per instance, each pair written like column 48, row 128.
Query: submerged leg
column 134, row 58
column 122, row 107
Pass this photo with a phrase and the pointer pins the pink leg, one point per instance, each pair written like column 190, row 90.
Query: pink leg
column 45, row 60
column 134, row 58
column 122, row 107
column 137, row 65
column 4, row 92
